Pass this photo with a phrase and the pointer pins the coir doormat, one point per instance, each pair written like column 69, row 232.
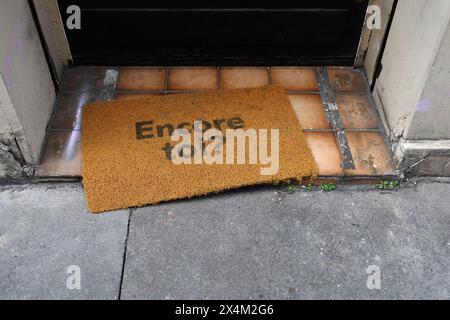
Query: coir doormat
column 156, row 149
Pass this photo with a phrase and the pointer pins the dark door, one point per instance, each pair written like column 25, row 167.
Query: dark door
column 132, row 32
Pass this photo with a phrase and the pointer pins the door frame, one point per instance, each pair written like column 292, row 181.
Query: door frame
column 235, row 61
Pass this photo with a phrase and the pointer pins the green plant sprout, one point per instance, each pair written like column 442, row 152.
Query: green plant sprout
column 395, row 184
column 385, row 185
column 327, row 187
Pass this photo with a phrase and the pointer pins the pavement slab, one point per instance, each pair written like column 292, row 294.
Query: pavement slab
column 46, row 230
column 254, row 243
column 265, row 243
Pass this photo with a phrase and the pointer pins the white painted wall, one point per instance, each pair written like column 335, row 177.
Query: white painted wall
column 377, row 37
column 25, row 77
column 413, row 46
column 9, row 123
column 5, row 128
column 432, row 118
column 54, row 34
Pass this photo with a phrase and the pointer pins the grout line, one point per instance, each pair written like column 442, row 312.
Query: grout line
column 347, row 130
column 303, row 92
column 304, row 130
column 142, row 67
column 363, row 130
column 219, row 80
column 124, row 259
column 189, row 91
column 318, row 92
column 162, row 91
column 94, row 92
column 269, row 72
column 151, row 91
column 166, row 84
column 192, row 67
column 141, row 91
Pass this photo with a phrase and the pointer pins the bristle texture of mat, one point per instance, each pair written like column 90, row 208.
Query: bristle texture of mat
column 125, row 146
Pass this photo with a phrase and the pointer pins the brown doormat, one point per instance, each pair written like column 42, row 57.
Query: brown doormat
column 128, row 151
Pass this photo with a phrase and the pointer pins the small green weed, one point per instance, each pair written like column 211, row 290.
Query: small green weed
column 327, row 187
column 385, row 185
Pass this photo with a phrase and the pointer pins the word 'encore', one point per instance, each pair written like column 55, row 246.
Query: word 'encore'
column 146, row 130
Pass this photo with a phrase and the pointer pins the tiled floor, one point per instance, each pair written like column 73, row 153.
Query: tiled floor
column 62, row 155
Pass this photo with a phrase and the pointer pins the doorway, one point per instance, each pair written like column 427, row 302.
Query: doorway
column 300, row 33
column 125, row 50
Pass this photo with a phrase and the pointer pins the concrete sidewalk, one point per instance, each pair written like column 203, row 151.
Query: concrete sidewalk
column 261, row 243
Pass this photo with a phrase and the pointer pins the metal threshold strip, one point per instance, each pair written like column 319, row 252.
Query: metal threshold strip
column 328, row 97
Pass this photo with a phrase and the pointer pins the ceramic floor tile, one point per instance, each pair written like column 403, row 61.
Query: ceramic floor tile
column 142, row 79
column 347, row 80
column 326, row 153
column 295, row 79
column 69, row 109
column 84, row 79
column 62, row 155
column 370, row 154
column 310, row 111
column 356, row 112
column 241, row 78
column 193, row 79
